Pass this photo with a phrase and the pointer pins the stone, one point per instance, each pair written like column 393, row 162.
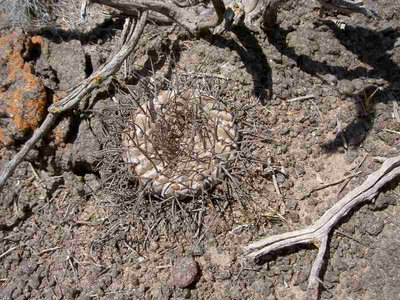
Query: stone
column 294, row 216
column 85, row 148
column 185, row 272
column 197, row 250
column 375, row 227
column 383, row 201
column 68, row 61
column 262, row 286
column 50, row 79
column 28, row 267
column 23, row 97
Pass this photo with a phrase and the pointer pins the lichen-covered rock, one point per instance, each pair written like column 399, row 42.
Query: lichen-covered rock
column 22, row 95
column 61, row 67
column 60, row 132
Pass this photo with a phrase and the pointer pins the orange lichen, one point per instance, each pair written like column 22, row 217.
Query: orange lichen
column 5, row 139
column 97, row 80
column 58, row 96
column 22, row 95
column 37, row 39
column 60, row 132
column 58, row 135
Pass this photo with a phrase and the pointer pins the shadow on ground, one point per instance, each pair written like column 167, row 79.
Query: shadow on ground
column 371, row 47
column 253, row 58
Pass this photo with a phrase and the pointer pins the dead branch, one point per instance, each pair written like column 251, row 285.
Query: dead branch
column 185, row 17
column 302, row 98
column 79, row 93
column 262, row 13
column 347, row 7
column 253, row 12
column 317, row 234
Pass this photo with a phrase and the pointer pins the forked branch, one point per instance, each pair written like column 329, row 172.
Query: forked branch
column 185, row 17
column 318, row 233
column 130, row 38
column 255, row 14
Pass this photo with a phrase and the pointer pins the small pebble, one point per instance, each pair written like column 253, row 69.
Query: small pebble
column 184, row 272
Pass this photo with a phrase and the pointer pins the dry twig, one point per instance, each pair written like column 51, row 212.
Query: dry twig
column 306, row 97
column 343, row 186
column 396, row 114
column 10, row 250
column 391, row 131
column 318, row 233
column 329, row 184
column 253, row 13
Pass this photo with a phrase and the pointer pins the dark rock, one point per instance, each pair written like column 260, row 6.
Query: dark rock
column 69, row 62
column 42, row 66
column 375, row 227
column 197, row 250
column 74, row 183
column 383, row 201
column 300, row 171
column 294, row 216
column 262, row 286
column 28, row 267
column 346, row 88
column 160, row 293
column 84, row 149
column 34, row 282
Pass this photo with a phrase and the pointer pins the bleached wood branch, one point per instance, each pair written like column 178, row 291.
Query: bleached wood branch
column 317, row 234
column 185, row 17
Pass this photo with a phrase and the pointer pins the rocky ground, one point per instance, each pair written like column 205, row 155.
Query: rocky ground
column 75, row 226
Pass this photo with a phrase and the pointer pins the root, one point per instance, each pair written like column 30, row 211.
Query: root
column 183, row 16
column 254, row 13
column 130, row 38
column 318, row 233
